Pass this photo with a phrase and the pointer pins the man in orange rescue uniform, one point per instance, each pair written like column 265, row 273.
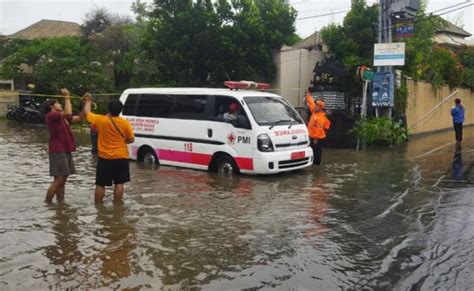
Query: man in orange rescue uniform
column 114, row 133
column 318, row 125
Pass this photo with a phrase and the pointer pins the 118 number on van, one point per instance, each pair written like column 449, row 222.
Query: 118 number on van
column 188, row 147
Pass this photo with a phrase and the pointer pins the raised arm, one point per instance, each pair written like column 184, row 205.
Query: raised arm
column 87, row 105
column 310, row 101
column 67, row 102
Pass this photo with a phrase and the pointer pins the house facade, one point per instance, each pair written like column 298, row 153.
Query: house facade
column 295, row 67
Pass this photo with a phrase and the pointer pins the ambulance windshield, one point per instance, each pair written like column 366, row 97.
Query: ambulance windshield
column 272, row 111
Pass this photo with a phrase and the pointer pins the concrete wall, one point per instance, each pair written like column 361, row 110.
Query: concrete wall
column 295, row 72
column 7, row 98
column 423, row 98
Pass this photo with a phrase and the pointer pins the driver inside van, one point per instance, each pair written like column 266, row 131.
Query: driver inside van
column 231, row 115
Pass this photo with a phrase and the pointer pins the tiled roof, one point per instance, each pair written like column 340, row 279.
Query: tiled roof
column 48, row 28
column 453, row 29
column 309, row 42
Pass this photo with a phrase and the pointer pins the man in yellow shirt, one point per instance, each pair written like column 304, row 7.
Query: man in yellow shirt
column 115, row 133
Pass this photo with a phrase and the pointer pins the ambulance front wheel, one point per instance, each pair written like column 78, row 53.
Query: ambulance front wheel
column 226, row 166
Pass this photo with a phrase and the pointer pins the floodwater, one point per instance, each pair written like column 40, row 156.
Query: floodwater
column 393, row 218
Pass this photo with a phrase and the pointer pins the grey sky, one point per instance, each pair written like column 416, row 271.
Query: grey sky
column 18, row 14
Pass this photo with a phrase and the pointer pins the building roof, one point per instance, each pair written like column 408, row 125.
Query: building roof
column 448, row 39
column 450, row 28
column 310, row 42
column 48, row 28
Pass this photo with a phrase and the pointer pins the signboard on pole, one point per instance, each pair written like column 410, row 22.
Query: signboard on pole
column 404, row 29
column 389, row 54
column 383, row 89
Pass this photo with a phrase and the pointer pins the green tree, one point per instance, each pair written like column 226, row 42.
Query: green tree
column 204, row 42
column 353, row 41
column 466, row 58
column 114, row 39
column 418, row 48
column 55, row 63
column 9, row 46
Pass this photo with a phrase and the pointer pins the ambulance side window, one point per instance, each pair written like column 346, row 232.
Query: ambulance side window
column 130, row 104
column 221, row 106
column 154, row 105
column 190, row 107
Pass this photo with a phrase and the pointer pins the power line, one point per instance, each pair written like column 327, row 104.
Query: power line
column 321, row 15
column 455, row 9
column 345, row 11
column 452, row 6
column 431, row 14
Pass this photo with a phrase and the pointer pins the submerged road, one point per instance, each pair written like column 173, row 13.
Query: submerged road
column 392, row 218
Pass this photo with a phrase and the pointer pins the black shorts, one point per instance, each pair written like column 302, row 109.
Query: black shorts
column 112, row 171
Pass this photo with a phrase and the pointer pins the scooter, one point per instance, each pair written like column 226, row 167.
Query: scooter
column 28, row 111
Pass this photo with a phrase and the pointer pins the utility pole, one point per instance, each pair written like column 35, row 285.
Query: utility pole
column 384, row 36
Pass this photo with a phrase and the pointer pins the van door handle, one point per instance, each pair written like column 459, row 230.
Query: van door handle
column 209, row 132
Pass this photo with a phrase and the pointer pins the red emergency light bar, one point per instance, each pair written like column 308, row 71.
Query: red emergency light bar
column 246, row 85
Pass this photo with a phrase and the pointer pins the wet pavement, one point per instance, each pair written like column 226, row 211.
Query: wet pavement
column 391, row 218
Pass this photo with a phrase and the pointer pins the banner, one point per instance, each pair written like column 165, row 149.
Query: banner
column 383, row 89
column 403, row 29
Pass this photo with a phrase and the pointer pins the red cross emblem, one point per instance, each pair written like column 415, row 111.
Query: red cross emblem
column 231, row 138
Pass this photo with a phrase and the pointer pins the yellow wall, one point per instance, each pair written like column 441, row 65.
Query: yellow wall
column 7, row 98
column 422, row 98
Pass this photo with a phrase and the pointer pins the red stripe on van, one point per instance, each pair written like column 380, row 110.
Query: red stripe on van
column 199, row 159
column 184, row 157
column 245, row 163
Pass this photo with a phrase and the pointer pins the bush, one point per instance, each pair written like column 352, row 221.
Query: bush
column 380, row 131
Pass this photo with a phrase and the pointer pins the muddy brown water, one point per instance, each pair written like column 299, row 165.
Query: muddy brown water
column 399, row 218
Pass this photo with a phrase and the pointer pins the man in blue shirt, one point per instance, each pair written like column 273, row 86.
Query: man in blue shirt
column 458, row 118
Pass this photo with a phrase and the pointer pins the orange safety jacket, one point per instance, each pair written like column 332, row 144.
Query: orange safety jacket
column 318, row 122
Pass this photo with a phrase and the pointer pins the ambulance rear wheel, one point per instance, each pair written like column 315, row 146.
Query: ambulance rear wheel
column 149, row 157
column 226, row 166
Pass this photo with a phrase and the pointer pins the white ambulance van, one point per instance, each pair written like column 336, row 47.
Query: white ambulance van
column 224, row 130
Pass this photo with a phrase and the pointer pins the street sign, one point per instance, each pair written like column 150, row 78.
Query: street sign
column 368, row 75
column 389, row 54
column 364, row 73
column 383, row 90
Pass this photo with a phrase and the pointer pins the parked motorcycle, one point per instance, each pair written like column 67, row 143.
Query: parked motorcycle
column 11, row 112
column 28, row 111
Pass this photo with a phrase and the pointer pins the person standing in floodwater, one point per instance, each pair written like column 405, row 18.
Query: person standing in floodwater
column 114, row 133
column 61, row 144
column 457, row 112
column 318, row 125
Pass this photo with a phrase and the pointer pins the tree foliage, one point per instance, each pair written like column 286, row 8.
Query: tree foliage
column 466, row 58
column 204, row 42
column 55, row 63
column 172, row 42
column 353, row 41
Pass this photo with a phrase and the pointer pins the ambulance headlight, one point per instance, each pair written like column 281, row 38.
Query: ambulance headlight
column 264, row 143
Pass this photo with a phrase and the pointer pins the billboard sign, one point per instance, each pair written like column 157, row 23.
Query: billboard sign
column 404, row 29
column 383, row 89
column 389, row 54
